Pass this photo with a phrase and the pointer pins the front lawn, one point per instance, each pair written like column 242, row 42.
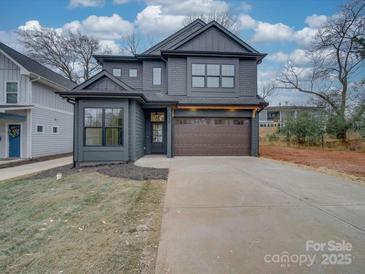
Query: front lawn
column 86, row 222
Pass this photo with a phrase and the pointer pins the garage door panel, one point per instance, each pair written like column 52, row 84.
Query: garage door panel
column 211, row 136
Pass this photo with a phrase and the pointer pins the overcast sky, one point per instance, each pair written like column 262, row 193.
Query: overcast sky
column 281, row 28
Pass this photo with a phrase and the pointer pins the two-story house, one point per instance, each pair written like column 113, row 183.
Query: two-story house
column 194, row 93
column 34, row 120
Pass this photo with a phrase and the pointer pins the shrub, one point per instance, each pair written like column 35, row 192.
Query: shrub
column 337, row 126
column 305, row 128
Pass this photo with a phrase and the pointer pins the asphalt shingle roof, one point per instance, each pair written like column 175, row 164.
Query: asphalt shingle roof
column 36, row 68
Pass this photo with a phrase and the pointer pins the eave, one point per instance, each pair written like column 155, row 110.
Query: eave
column 247, row 55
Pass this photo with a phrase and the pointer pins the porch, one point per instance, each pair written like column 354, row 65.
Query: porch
column 13, row 134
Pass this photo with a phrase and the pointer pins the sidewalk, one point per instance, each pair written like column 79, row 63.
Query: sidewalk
column 27, row 169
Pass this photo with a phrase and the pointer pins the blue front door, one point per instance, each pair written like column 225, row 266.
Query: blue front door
column 14, row 140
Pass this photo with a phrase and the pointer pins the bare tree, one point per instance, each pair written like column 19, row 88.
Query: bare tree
column 266, row 90
column 224, row 18
column 68, row 53
column 84, row 48
column 132, row 41
column 334, row 65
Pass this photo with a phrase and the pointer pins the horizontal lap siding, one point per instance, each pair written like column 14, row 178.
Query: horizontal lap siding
column 48, row 143
column 247, row 78
column 134, row 82
column 140, row 130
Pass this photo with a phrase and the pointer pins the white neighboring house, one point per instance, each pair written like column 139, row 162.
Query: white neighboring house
column 34, row 120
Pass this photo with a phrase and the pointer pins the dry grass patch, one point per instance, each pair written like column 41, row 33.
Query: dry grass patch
column 85, row 223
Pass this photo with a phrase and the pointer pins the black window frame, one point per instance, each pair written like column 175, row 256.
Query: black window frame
column 220, row 76
column 104, row 128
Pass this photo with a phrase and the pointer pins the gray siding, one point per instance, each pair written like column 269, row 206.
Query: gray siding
column 100, row 153
column 49, row 143
column 213, row 92
column 255, row 136
column 136, row 131
column 176, row 39
column 147, row 76
column 134, row 82
column 176, row 72
column 247, row 78
column 212, row 39
column 140, row 131
column 103, row 84
column 9, row 71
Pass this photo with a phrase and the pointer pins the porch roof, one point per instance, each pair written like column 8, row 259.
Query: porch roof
column 12, row 117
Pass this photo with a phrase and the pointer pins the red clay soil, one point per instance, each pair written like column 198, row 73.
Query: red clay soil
column 352, row 163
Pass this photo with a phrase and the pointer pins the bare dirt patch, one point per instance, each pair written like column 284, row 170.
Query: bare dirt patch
column 127, row 170
column 352, row 163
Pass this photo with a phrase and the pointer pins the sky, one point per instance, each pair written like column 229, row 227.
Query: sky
column 280, row 28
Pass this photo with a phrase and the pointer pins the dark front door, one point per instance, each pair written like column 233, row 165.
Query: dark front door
column 14, row 140
column 157, row 141
column 157, row 131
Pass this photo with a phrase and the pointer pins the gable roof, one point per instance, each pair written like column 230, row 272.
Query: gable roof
column 36, row 68
column 214, row 24
column 105, row 74
column 196, row 24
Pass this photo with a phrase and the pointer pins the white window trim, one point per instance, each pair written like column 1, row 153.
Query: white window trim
column 39, row 125
column 58, row 130
column 129, row 72
column 120, row 72
column 6, row 93
column 153, row 78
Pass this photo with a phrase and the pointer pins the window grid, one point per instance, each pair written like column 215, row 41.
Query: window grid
column 105, row 126
column 11, row 92
column 212, row 75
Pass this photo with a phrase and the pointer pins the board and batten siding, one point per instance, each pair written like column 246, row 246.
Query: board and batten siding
column 49, row 143
column 212, row 40
column 9, row 71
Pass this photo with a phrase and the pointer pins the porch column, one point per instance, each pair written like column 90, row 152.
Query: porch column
column 169, row 131
column 255, row 134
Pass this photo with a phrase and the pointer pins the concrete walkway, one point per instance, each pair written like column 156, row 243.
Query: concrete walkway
column 241, row 215
column 27, row 169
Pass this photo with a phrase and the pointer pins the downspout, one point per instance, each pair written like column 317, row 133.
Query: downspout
column 74, row 132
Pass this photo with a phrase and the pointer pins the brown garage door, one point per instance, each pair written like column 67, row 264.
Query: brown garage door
column 211, row 136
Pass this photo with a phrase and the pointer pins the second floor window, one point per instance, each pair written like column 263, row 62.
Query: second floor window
column 11, row 92
column 117, row 72
column 212, row 76
column 132, row 72
column 156, row 76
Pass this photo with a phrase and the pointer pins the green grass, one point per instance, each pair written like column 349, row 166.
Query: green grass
column 84, row 223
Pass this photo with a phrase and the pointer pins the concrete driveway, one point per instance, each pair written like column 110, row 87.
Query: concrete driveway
column 250, row 215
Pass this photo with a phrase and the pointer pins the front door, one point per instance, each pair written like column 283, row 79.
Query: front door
column 158, row 128
column 14, row 140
